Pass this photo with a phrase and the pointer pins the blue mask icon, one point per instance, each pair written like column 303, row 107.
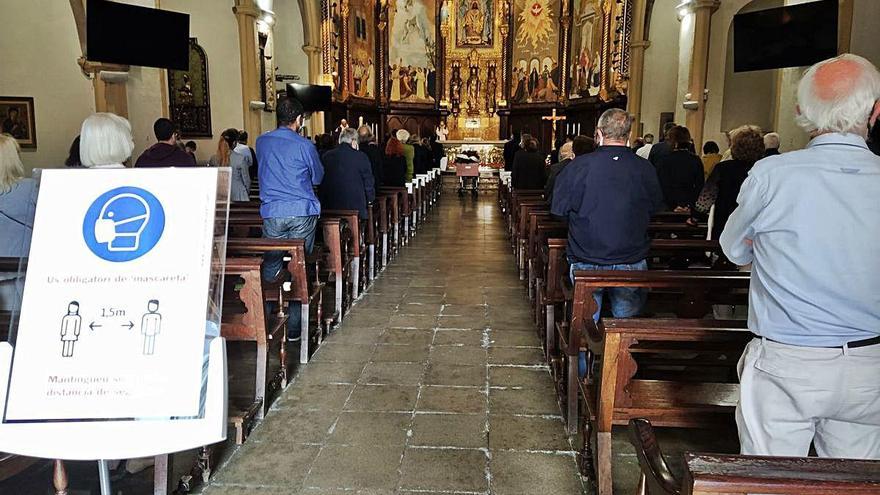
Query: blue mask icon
column 123, row 224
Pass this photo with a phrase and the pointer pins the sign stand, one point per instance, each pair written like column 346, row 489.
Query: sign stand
column 133, row 365
column 104, row 477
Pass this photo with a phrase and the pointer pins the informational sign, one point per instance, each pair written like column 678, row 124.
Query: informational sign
column 113, row 318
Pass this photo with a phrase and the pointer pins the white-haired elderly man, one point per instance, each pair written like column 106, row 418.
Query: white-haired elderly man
column 771, row 144
column 809, row 223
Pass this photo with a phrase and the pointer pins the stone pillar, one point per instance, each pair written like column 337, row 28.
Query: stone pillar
column 638, row 45
column 701, row 12
column 246, row 13
column 313, row 54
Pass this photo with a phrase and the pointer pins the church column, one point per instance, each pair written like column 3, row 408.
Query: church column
column 246, row 13
column 504, row 30
column 637, row 65
column 313, row 55
column 344, row 65
column 701, row 12
column 565, row 24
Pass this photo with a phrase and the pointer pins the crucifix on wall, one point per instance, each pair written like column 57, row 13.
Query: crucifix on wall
column 554, row 119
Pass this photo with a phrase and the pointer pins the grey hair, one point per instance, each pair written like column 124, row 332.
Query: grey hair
column 771, row 140
column 105, row 139
column 365, row 134
column 11, row 168
column 615, row 124
column 348, row 136
column 847, row 105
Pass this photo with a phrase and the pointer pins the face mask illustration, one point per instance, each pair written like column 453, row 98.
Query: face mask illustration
column 121, row 222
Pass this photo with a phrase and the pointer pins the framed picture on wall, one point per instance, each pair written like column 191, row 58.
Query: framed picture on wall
column 17, row 119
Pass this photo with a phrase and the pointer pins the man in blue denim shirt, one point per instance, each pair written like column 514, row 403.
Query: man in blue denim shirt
column 289, row 169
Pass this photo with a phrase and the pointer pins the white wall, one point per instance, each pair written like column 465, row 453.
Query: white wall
column 213, row 24
column 288, row 32
column 866, row 14
column 39, row 48
column 661, row 62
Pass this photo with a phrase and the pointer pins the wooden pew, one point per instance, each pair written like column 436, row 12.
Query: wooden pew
column 358, row 261
column 740, row 475
column 337, row 241
column 399, row 218
column 244, row 320
column 304, row 285
column 245, row 223
column 385, row 220
column 637, row 355
column 725, row 474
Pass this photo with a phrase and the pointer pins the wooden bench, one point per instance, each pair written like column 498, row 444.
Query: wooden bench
column 358, row 261
column 385, row 221
column 624, row 387
column 303, row 287
column 244, row 320
column 740, row 475
column 725, row 474
column 399, row 218
column 336, row 238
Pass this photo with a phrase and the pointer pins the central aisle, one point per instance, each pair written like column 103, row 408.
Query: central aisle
column 434, row 383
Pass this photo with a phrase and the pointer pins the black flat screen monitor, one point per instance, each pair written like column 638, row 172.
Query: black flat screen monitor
column 125, row 34
column 795, row 36
column 314, row 98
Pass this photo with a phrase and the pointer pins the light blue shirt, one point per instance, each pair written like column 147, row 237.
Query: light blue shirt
column 814, row 217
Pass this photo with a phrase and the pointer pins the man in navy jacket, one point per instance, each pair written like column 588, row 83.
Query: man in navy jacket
column 348, row 179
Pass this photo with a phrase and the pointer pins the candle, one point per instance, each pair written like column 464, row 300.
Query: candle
column 360, row 120
column 579, row 128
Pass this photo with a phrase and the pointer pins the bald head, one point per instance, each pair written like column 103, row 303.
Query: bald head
column 839, row 95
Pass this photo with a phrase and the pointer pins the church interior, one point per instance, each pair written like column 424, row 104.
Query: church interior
column 451, row 332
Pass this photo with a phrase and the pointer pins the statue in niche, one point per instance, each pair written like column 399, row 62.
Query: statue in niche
column 475, row 23
column 473, row 90
column 491, row 88
column 455, row 87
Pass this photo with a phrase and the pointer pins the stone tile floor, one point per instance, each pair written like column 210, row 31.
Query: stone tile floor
column 433, row 383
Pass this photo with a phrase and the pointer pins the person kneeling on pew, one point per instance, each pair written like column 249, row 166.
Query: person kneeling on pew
column 289, row 170
column 608, row 197
column 808, row 223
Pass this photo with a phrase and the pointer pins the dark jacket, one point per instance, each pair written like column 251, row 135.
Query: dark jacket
column 528, row 170
column 375, row 157
column 608, row 197
column 730, row 176
column 165, row 155
column 555, row 170
column 681, row 178
column 421, row 160
column 658, row 151
column 395, row 171
column 510, row 149
column 771, row 152
column 348, row 180
column 437, row 154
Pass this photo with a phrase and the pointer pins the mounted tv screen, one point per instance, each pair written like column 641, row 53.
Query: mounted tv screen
column 314, row 98
column 128, row 35
column 795, row 36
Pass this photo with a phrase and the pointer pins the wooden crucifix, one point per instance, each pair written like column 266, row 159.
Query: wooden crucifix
column 553, row 121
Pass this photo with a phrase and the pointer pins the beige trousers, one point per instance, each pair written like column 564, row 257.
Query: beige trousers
column 791, row 396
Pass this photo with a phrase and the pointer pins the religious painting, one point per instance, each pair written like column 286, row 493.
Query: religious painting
column 188, row 95
column 412, row 63
column 476, row 20
column 536, row 69
column 17, row 119
column 586, row 41
column 361, row 72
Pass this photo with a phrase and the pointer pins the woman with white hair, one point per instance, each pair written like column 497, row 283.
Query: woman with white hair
column 105, row 141
column 17, row 204
column 409, row 152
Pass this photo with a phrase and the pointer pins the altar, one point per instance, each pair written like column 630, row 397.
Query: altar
column 491, row 153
